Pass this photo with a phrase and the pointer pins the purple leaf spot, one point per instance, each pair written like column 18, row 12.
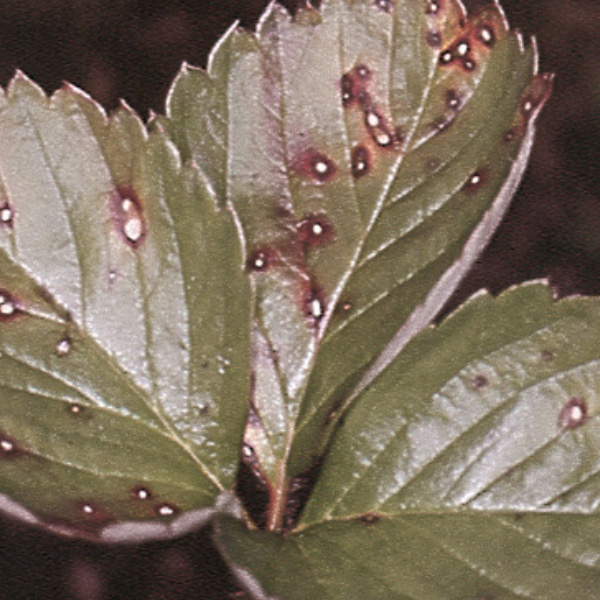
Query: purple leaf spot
column 573, row 414
column 361, row 162
column 315, row 230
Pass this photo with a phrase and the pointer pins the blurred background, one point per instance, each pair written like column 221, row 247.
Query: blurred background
column 132, row 49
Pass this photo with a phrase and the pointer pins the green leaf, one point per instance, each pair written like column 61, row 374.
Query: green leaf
column 468, row 469
column 368, row 170
column 124, row 320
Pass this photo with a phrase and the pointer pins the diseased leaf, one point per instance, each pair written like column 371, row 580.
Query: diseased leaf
column 124, row 319
column 468, row 469
column 370, row 149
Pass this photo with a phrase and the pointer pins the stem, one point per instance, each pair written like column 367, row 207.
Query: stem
column 278, row 497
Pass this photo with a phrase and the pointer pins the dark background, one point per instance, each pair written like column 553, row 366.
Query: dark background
column 132, row 49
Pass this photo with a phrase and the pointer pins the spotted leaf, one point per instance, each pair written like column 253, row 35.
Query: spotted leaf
column 469, row 469
column 124, row 322
column 371, row 149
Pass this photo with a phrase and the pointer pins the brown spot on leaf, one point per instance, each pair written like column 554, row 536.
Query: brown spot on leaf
column 486, row 34
column 361, row 162
column 363, row 73
column 261, row 259
column 573, row 414
column 434, row 39
column 536, row 95
column 314, row 302
column 476, row 181
column 317, row 166
column 166, row 509
column 469, row 64
column 510, row 135
column 369, row 518
column 548, row 355
column 63, row 347
column 141, row 492
column 315, row 230
column 9, row 448
column 347, row 87
column 378, row 129
column 480, row 381
column 433, row 7
column 76, row 410
column 452, row 99
column 385, row 5
column 128, row 216
column 446, row 57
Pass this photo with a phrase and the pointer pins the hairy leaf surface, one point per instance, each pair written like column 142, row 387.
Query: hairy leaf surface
column 370, row 149
column 124, row 319
column 469, row 469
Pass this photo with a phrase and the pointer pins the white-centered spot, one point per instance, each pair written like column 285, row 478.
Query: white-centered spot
column 75, row 409
column 7, row 307
column 127, row 205
column 260, row 262
column 88, row 509
column 6, row 214
column 142, row 494
column 475, row 179
column 316, row 308
column 373, row 119
column 446, row 57
column 166, row 511
column 462, row 49
column 317, row 229
column 133, row 229
column 247, row 451
column 528, row 106
column 432, row 7
column 486, row 35
column 321, row 167
column 360, row 166
column 384, row 139
column 63, row 347
column 7, row 445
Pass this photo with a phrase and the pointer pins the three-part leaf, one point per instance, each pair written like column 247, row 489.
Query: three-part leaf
column 469, row 469
column 124, row 319
column 370, row 149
